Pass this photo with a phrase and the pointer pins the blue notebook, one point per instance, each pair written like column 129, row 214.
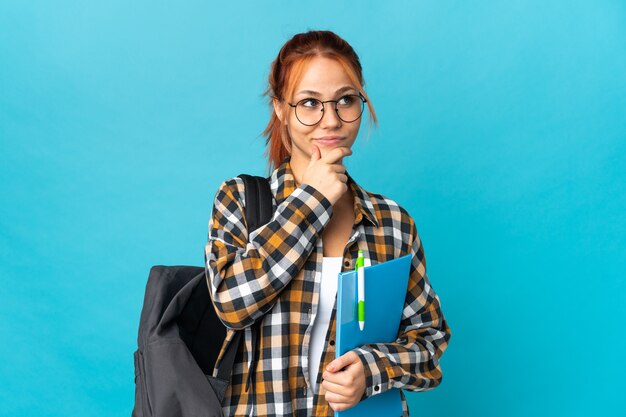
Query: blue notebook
column 385, row 292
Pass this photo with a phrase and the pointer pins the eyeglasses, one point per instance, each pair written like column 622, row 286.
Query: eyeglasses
column 310, row 111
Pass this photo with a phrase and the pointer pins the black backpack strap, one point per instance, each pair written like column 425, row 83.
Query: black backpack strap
column 259, row 209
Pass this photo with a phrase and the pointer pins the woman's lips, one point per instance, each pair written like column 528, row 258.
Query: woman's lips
column 329, row 140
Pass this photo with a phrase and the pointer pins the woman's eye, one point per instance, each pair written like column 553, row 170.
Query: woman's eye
column 345, row 100
column 311, row 102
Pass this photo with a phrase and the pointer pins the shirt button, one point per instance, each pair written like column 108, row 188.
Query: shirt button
column 377, row 388
column 332, row 343
column 346, row 264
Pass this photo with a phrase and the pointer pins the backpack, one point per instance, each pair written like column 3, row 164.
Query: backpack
column 180, row 335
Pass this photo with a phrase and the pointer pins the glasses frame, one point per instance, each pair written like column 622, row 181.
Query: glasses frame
column 363, row 101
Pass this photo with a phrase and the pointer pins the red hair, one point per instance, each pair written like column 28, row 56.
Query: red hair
column 285, row 73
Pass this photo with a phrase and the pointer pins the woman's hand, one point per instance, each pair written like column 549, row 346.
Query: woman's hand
column 344, row 381
column 327, row 174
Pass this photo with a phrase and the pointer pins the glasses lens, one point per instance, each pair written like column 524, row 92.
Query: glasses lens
column 309, row 111
column 349, row 108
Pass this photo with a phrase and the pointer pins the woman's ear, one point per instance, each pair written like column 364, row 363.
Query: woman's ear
column 278, row 109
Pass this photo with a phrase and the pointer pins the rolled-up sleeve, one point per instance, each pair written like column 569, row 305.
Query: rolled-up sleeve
column 247, row 271
column 412, row 361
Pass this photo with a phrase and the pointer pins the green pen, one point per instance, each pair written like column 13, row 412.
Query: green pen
column 360, row 265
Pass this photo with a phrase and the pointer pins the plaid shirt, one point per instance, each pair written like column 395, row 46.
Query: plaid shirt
column 273, row 275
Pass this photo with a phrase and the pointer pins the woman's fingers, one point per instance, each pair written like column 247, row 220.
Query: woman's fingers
column 339, row 406
column 332, row 386
column 339, row 168
column 336, row 154
column 333, row 397
column 345, row 394
column 315, row 154
column 340, row 393
column 344, row 381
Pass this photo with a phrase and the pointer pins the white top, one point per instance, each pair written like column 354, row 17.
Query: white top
column 331, row 267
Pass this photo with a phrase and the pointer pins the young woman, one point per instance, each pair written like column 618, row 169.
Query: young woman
column 284, row 274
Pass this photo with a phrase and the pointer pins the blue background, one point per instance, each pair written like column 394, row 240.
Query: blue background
column 502, row 131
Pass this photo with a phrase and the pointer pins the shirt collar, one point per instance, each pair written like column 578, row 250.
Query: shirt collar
column 283, row 183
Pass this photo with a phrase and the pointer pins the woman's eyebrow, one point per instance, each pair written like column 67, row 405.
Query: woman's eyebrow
column 315, row 93
column 309, row 92
column 346, row 88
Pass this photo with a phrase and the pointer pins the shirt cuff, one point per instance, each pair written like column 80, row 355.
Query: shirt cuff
column 377, row 379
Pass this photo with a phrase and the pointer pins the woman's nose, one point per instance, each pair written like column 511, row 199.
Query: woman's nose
column 330, row 118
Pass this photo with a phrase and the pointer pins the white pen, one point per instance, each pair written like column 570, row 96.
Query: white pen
column 360, row 270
